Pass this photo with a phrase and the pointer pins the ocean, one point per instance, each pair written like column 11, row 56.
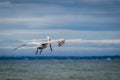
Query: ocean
column 53, row 69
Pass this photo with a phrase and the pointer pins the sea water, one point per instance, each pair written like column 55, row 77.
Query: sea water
column 60, row 69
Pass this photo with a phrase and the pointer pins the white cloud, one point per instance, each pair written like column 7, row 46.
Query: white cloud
column 60, row 20
column 93, row 41
column 24, row 10
column 55, row 15
column 83, row 48
column 25, row 32
column 60, row 33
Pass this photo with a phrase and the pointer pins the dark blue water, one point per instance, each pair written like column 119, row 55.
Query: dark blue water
column 58, row 57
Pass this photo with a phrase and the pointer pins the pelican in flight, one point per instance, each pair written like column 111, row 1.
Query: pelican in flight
column 42, row 45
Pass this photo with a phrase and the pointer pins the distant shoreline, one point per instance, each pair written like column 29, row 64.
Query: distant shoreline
column 58, row 57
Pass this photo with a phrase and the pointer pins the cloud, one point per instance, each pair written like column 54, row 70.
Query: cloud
column 61, row 1
column 61, row 18
column 84, row 48
column 93, row 41
column 26, row 32
column 36, row 10
column 57, row 33
column 73, row 15
column 83, row 22
column 5, row 4
column 100, row 1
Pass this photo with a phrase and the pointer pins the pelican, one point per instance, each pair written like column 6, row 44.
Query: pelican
column 42, row 45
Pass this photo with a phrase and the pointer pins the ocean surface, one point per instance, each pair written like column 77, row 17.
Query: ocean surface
column 95, row 69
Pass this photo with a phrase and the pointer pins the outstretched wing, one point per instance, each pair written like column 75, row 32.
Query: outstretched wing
column 60, row 42
column 26, row 44
column 20, row 46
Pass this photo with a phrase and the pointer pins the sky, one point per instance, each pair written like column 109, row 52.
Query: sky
column 90, row 27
